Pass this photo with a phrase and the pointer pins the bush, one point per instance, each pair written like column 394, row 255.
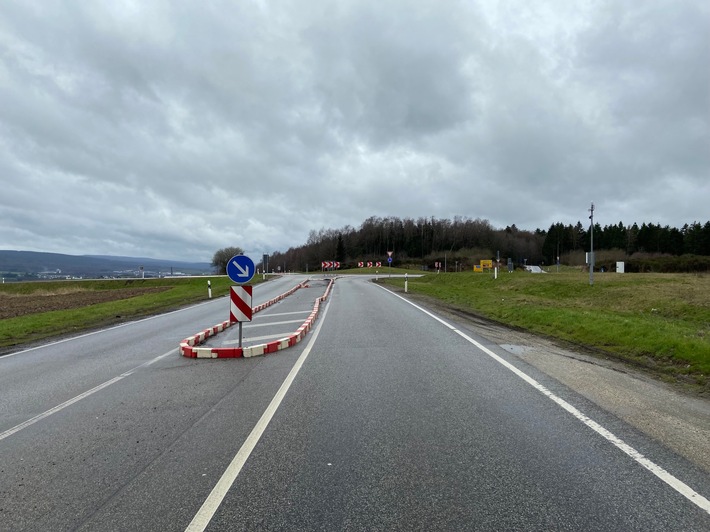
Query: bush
column 668, row 264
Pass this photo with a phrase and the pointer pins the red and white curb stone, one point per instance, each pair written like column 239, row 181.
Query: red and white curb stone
column 189, row 346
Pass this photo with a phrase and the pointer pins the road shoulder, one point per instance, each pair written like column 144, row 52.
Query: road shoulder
column 675, row 416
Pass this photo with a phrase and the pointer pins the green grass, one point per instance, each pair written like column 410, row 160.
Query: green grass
column 659, row 320
column 175, row 293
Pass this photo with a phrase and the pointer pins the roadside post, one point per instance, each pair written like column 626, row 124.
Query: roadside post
column 209, row 289
column 591, row 246
column 405, row 282
column 240, row 269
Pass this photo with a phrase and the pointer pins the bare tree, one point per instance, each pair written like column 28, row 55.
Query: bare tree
column 221, row 258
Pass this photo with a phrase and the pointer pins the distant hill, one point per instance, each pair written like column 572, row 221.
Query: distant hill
column 22, row 265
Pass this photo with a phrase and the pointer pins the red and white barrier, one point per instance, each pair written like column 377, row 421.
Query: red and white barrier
column 188, row 347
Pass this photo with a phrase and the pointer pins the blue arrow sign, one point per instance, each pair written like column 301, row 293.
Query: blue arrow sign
column 240, row 269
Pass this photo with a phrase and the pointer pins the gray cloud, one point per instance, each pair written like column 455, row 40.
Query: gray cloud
column 174, row 129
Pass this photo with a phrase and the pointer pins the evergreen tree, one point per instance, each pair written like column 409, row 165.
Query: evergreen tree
column 340, row 250
column 632, row 239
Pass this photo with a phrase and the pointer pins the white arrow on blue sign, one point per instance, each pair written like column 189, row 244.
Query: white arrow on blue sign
column 240, row 269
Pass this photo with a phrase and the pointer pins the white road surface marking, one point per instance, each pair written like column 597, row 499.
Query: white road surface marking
column 657, row 470
column 71, row 339
column 65, row 404
column 204, row 515
column 272, row 323
column 263, row 315
column 257, row 338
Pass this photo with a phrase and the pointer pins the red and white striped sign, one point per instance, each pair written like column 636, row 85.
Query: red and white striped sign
column 240, row 303
column 329, row 264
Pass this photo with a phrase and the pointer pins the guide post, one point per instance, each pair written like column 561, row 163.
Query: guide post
column 240, row 269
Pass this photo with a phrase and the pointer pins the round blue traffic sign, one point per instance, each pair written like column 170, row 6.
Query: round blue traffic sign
column 240, row 269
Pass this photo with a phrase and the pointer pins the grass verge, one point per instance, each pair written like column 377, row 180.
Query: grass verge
column 661, row 321
column 159, row 295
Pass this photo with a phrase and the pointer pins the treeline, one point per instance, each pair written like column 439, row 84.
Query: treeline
column 462, row 242
column 691, row 239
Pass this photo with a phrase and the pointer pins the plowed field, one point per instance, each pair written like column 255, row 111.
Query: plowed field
column 14, row 305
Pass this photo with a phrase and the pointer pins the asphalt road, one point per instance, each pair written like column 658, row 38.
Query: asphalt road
column 383, row 418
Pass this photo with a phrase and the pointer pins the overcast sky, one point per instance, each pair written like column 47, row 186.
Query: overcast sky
column 171, row 129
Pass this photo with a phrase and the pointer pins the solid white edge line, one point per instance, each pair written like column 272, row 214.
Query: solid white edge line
column 54, row 410
column 678, row 485
column 92, row 333
column 204, row 515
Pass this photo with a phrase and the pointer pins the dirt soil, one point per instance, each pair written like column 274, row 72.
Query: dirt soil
column 15, row 305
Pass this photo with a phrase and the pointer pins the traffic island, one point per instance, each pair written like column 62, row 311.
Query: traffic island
column 190, row 347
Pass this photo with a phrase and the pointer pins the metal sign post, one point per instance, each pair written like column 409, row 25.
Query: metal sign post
column 240, row 306
column 240, row 269
column 591, row 246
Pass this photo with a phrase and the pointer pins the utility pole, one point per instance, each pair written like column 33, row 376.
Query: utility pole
column 591, row 246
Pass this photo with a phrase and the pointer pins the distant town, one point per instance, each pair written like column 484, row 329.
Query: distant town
column 117, row 274
column 36, row 266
